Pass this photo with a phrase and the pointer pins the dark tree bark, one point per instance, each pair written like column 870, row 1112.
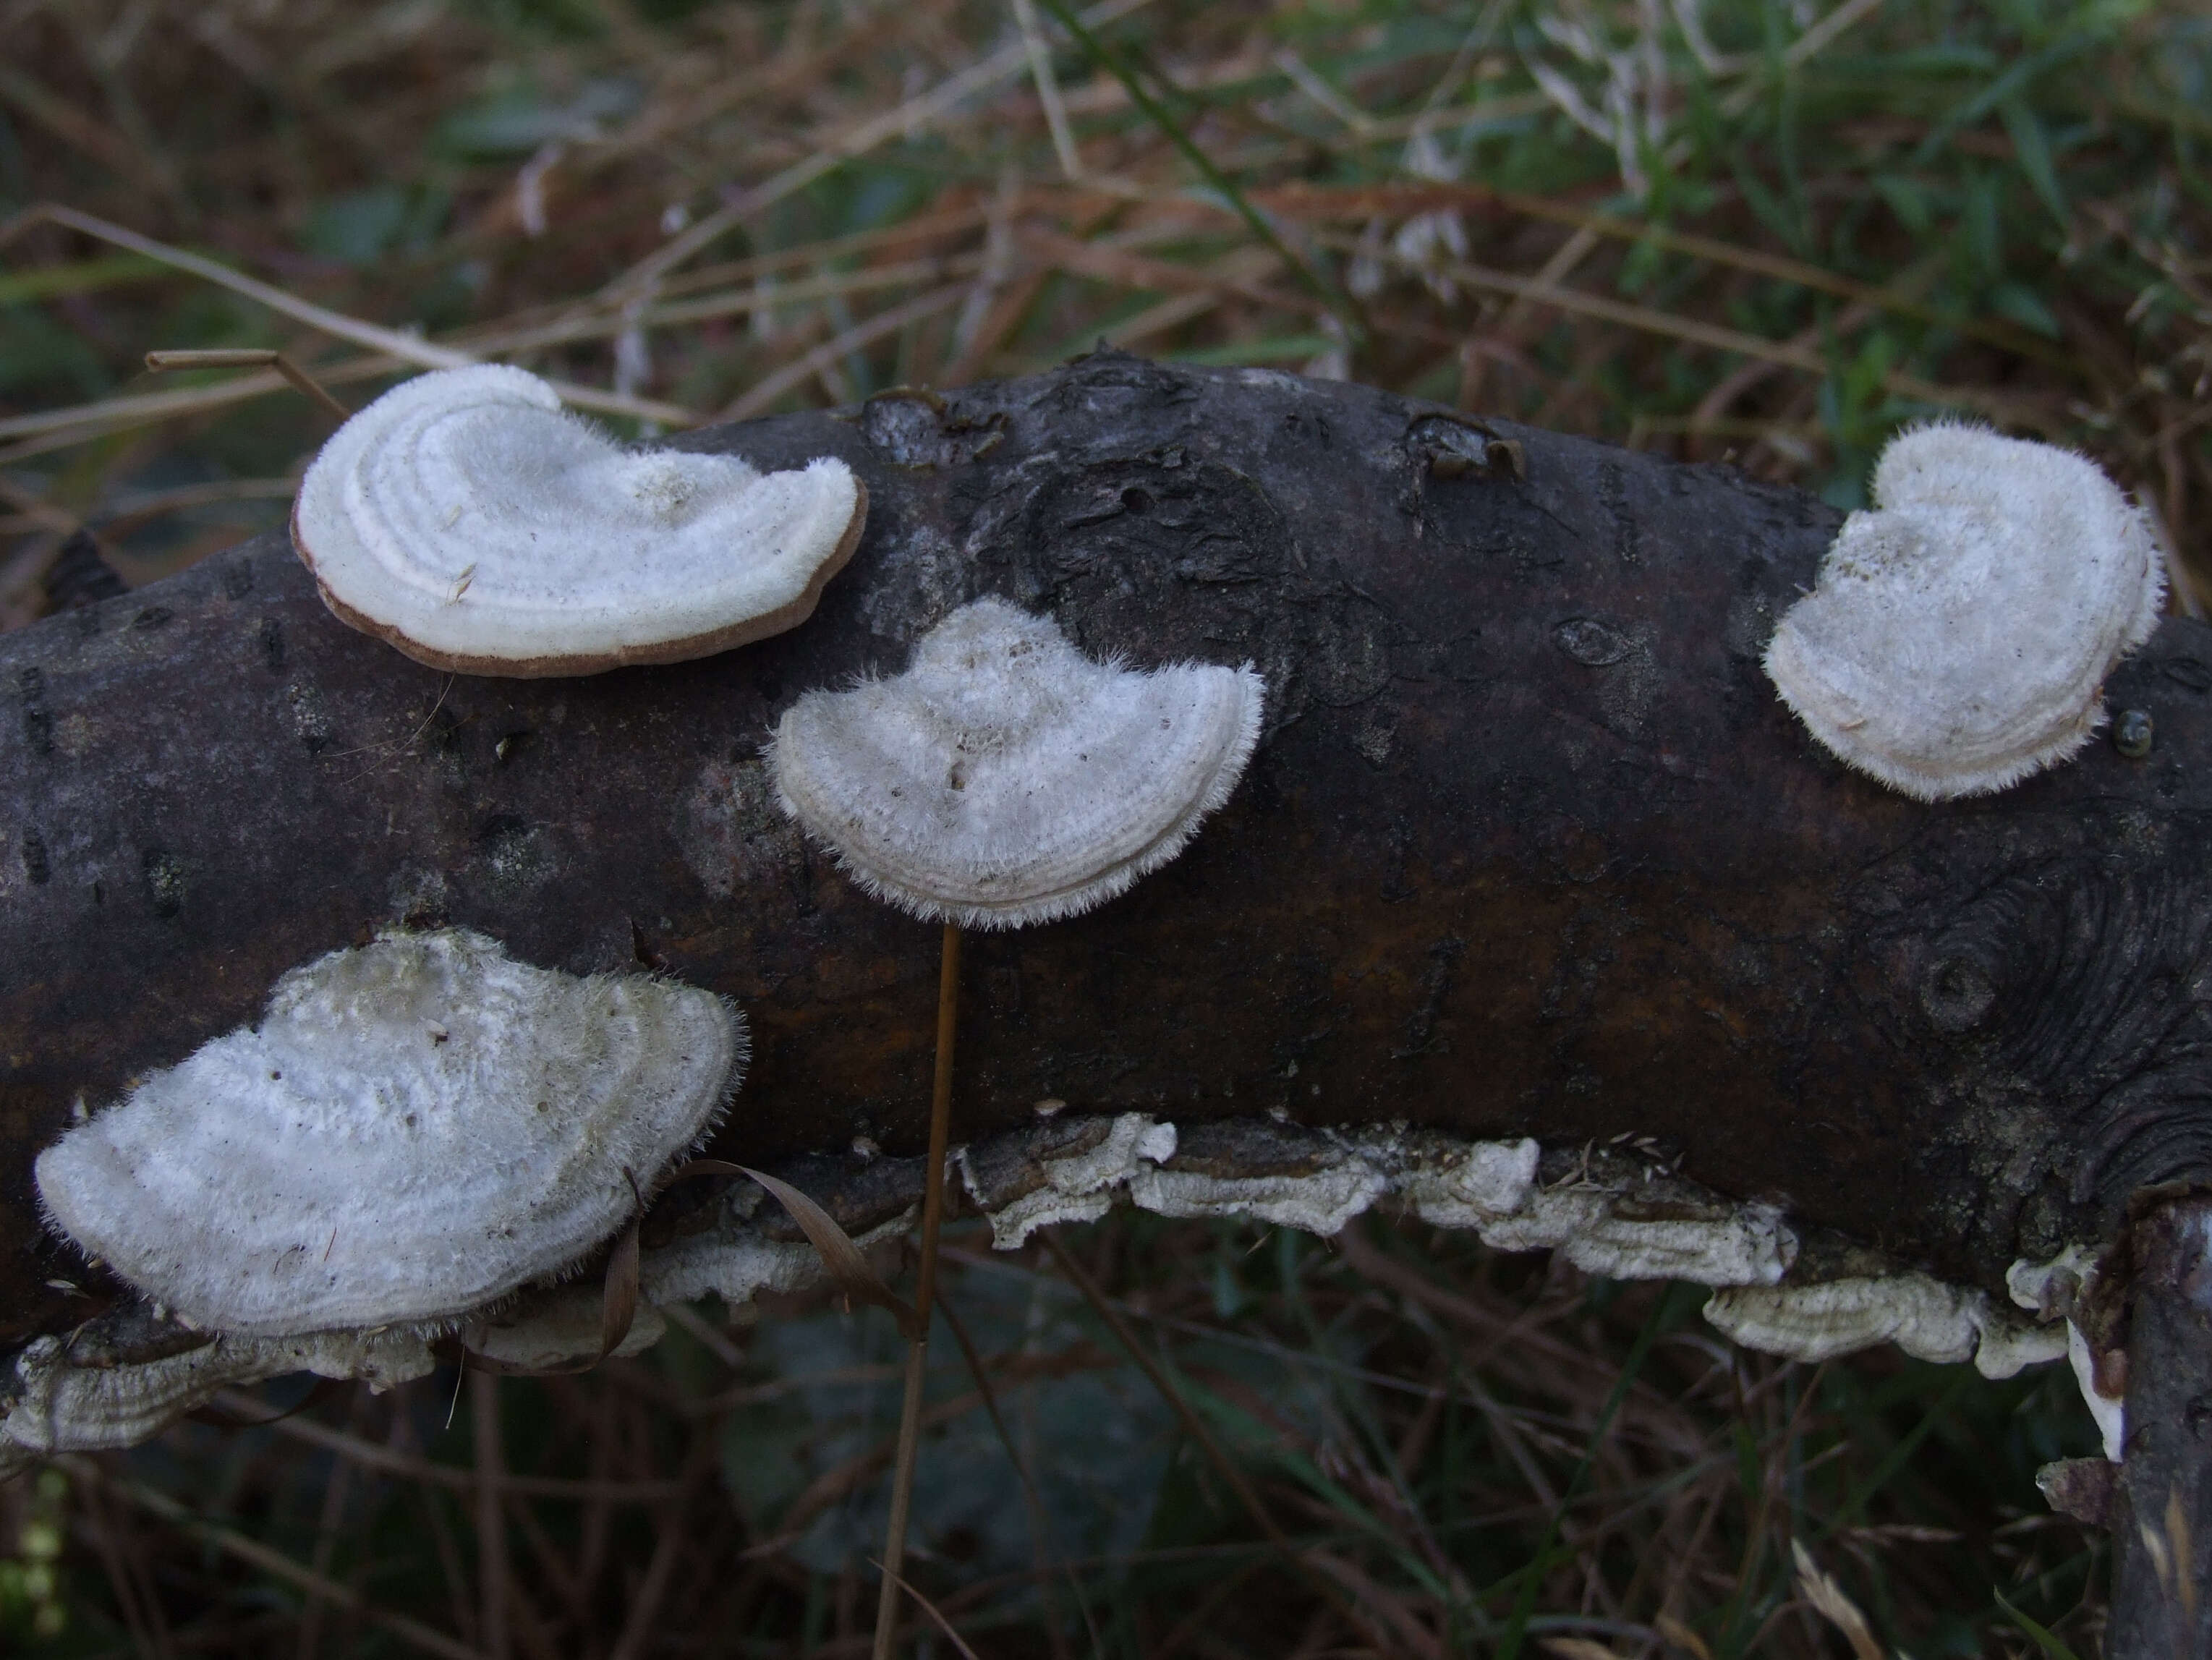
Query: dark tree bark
column 1529, row 847
column 2162, row 1514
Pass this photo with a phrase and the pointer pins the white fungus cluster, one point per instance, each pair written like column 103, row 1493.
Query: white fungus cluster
column 469, row 520
column 1960, row 636
column 415, row 1128
column 1621, row 1229
column 1005, row 778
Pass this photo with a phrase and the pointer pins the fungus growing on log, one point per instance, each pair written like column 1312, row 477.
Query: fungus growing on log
column 1536, row 896
column 1962, row 630
column 469, row 520
column 93, row 1392
column 1005, row 778
column 414, row 1128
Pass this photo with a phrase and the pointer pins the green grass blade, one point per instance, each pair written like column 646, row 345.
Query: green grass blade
column 1894, row 1459
column 2048, row 1641
column 1524, row 1604
column 1111, row 61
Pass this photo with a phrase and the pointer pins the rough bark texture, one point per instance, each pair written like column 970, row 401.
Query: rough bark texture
column 1529, row 846
column 2162, row 1510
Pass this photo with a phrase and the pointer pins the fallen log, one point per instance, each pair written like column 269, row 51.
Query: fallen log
column 1529, row 847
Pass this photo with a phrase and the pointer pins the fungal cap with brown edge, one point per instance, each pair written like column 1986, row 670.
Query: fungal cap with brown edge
column 1005, row 778
column 414, row 1129
column 1961, row 632
column 469, row 520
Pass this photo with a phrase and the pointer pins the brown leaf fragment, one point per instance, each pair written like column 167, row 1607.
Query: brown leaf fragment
column 839, row 1255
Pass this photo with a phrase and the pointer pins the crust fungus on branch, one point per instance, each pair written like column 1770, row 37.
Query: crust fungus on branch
column 467, row 519
column 1005, row 778
column 415, row 1128
column 1959, row 636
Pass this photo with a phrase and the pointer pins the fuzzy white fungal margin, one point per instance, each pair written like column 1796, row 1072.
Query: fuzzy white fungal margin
column 415, row 1128
column 469, row 520
column 1004, row 778
column 68, row 1408
column 1960, row 636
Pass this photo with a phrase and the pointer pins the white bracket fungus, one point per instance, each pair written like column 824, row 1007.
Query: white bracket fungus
column 1005, row 778
column 2058, row 1287
column 67, row 1406
column 1071, row 1177
column 415, row 1128
column 1926, row 1319
column 468, row 520
column 1603, row 1218
column 1960, row 633
column 1318, row 1201
column 1475, row 1187
column 1712, row 1244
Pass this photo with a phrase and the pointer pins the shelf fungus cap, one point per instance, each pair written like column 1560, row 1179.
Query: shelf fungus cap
column 1960, row 636
column 1005, row 778
column 415, row 1128
column 468, row 520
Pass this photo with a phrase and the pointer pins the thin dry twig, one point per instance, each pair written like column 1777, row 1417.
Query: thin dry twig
column 394, row 344
column 924, row 1291
column 233, row 358
column 494, row 1569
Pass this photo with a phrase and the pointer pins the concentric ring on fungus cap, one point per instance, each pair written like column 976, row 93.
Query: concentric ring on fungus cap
column 469, row 520
column 414, row 1129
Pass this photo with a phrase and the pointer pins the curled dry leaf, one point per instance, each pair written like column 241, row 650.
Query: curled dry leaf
column 847, row 1268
